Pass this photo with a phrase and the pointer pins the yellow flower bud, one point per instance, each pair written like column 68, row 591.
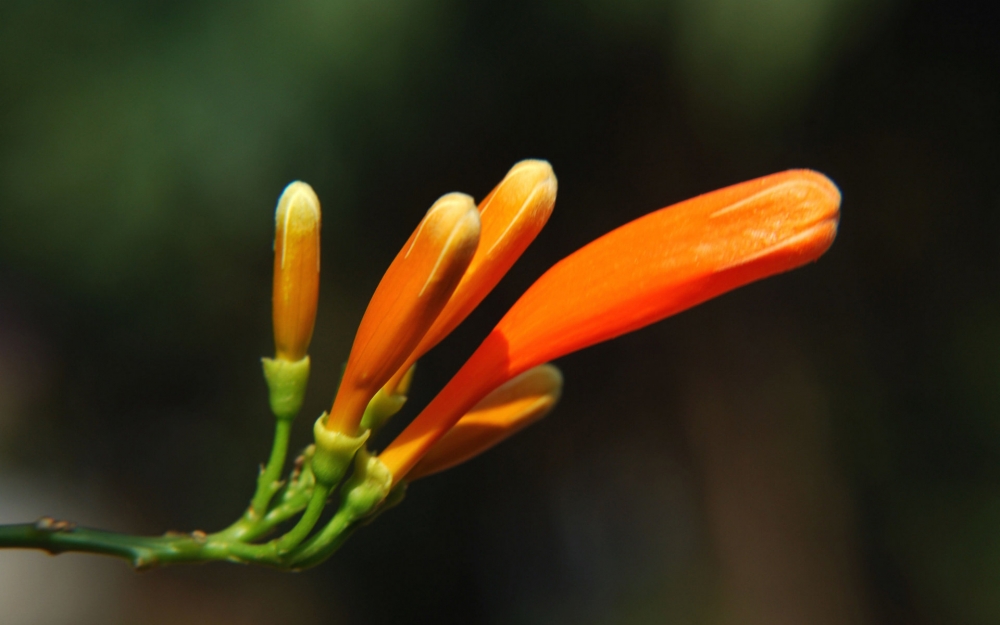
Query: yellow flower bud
column 507, row 410
column 296, row 270
column 385, row 404
column 409, row 298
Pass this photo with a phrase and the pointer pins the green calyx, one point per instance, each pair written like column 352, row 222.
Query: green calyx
column 286, row 382
column 334, row 452
column 367, row 487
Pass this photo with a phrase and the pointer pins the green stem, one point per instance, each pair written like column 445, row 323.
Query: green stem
column 140, row 551
column 322, row 545
column 293, row 501
column 307, row 521
column 269, row 481
column 147, row 551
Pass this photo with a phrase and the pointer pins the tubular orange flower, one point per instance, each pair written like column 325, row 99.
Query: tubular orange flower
column 511, row 216
column 513, row 406
column 406, row 302
column 296, row 270
column 653, row 267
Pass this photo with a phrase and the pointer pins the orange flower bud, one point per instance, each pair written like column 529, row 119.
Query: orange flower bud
column 513, row 406
column 512, row 215
column 653, row 267
column 296, row 270
column 409, row 298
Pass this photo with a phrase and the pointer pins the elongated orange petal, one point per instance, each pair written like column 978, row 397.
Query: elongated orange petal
column 511, row 216
column 409, row 298
column 653, row 267
column 296, row 270
column 513, row 406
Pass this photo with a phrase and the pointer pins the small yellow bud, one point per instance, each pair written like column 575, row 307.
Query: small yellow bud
column 403, row 388
column 409, row 298
column 385, row 404
column 296, row 270
column 510, row 408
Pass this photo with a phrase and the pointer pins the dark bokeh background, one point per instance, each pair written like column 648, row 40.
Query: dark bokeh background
column 822, row 447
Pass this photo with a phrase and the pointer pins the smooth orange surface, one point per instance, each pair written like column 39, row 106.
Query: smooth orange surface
column 653, row 267
column 296, row 270
column 406, row 302
column 513, row 406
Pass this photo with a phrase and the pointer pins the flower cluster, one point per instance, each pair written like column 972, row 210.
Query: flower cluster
column 653, row 267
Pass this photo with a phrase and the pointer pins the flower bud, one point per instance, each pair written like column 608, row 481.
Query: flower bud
column 512, row 215
column 507, row 410
column 409, row 298
column 296, row 270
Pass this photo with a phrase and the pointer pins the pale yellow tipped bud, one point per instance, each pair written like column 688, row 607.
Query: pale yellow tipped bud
column 512, row 215
column 504, row 412
column 403, row 388
column 296, row 270
column 409, row 298
column 385, row 404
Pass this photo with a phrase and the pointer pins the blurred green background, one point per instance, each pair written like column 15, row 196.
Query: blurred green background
column 822, row 447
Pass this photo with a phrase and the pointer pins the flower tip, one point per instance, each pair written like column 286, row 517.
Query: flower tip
column 454, row 204
column 298, row 208
column 527, row 193
column 814, row 209
column 451, row 234
column 822, row 194
column 535, row 173
column 451, row 223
